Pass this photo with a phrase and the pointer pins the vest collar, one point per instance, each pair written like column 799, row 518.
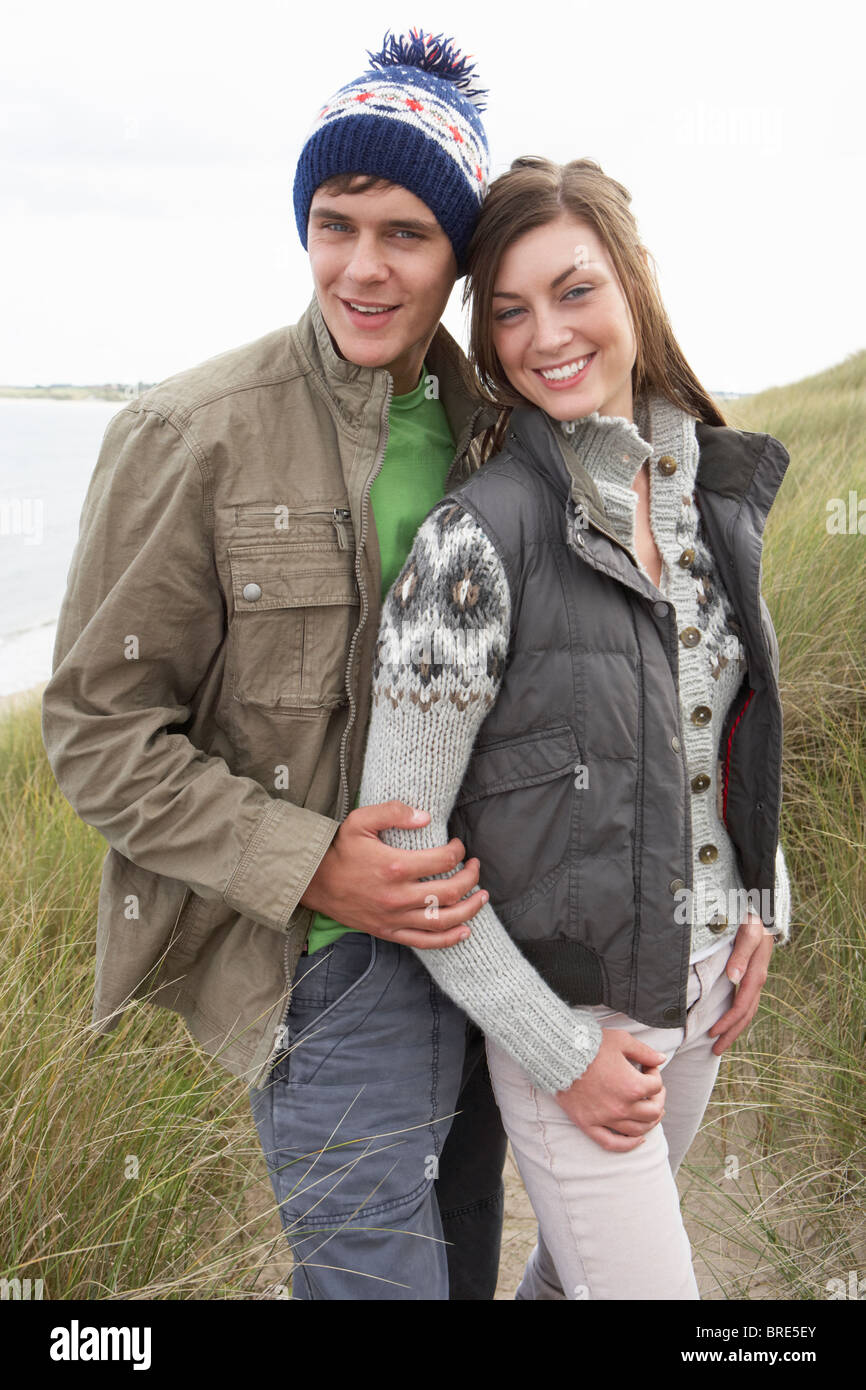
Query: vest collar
column 736, row 464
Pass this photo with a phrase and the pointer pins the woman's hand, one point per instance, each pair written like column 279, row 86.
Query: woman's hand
column 747, row 968
column 613, row 1102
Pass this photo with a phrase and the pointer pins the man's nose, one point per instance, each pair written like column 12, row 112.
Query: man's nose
column 367, row 264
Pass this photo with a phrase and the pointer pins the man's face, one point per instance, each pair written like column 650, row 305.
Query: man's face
column 383, row 270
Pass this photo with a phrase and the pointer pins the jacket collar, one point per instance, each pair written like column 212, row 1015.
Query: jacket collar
column 350, row 387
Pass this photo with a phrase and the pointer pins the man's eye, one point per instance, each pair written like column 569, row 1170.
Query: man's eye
column 335, row 226
column 404, row 232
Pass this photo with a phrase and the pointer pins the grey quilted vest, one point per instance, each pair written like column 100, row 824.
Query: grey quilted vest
column 575, row 799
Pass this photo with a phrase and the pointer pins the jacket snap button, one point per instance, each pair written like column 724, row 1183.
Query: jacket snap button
column 717, row 924
column 660, row 609
column 687, row 558
column 700, row 783
column 701, row 714
column 667, row 465
column 690, row 637
column 675, row 744
column 671, row 1015
column 708, row 854
column 252, row 592
column 676, row 885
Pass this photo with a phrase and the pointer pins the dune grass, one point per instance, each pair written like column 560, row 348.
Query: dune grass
column 800, row 1072
column 131, row 1168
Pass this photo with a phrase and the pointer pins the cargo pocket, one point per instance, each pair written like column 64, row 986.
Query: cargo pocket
column 296, row 607
column 522, row 839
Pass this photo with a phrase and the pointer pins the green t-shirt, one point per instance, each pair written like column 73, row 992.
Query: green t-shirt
column 410, row 482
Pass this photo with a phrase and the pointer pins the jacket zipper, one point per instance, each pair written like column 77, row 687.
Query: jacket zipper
column 385, row 426
column 340, row 515
column 728, row 746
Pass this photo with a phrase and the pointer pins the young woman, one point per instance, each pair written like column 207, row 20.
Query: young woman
column 576, row 667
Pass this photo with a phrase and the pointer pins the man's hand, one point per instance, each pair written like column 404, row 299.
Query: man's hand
column 613, row 1102
column 366, row 884
column 747, row 968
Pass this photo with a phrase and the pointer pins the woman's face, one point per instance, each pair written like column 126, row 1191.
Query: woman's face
column 561, row 325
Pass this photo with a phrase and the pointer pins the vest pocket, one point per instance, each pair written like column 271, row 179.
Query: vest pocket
column 514, row 811
column 296, row 606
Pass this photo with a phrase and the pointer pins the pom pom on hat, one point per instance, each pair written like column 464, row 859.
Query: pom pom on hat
column 433, row 53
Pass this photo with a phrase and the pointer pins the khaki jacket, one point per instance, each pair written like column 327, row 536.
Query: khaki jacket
column 210, row 693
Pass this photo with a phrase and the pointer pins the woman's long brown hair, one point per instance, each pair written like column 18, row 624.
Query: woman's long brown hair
column 533, row 192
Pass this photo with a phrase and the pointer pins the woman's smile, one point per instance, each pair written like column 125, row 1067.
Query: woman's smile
column 565, row 374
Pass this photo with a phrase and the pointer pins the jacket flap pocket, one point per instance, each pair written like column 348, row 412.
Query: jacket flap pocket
column 524, row 761
column 282, row 575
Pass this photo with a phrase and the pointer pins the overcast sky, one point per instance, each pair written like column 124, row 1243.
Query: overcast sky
column 148, row 153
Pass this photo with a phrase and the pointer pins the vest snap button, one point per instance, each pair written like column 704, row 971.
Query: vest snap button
column 671, row 1015
column 675, row 744
column 660, row 609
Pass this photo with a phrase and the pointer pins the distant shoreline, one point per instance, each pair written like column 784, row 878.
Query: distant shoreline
column 20, row 697
column 113, row 391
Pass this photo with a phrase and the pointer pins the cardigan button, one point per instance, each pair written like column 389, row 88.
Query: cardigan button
column 671, row 1015
column 690, row 636
column 676, row 885
column 687, row 558
column 701, row 714
column 717, row 924
column 700, row 783
column 708, row 854
column 667, row 465
column 252, row 592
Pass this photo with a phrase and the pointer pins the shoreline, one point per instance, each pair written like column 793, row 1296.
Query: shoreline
column 17, row 698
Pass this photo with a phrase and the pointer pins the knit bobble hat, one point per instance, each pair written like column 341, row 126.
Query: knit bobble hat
column 412, row 118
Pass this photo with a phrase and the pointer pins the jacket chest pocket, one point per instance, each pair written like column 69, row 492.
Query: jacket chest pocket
column 296, row 607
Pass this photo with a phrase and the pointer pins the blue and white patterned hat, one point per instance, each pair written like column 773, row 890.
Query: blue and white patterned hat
column 413, row 118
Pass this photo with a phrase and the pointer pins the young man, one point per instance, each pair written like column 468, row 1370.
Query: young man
column 211, row 693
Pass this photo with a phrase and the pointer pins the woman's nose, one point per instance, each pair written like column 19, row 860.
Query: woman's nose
column 550, row 334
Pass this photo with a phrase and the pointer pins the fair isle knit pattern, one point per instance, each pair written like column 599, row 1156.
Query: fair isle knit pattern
column 439, row 664
column 712, row 660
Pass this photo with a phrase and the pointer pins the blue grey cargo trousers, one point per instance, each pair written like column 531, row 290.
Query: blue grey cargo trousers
column 381, row 1134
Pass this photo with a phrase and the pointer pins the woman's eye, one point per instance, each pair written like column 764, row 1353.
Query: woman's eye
column 577, row 292
column 506, row 314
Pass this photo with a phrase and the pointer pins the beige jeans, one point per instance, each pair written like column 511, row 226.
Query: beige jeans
column 609, row 1224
